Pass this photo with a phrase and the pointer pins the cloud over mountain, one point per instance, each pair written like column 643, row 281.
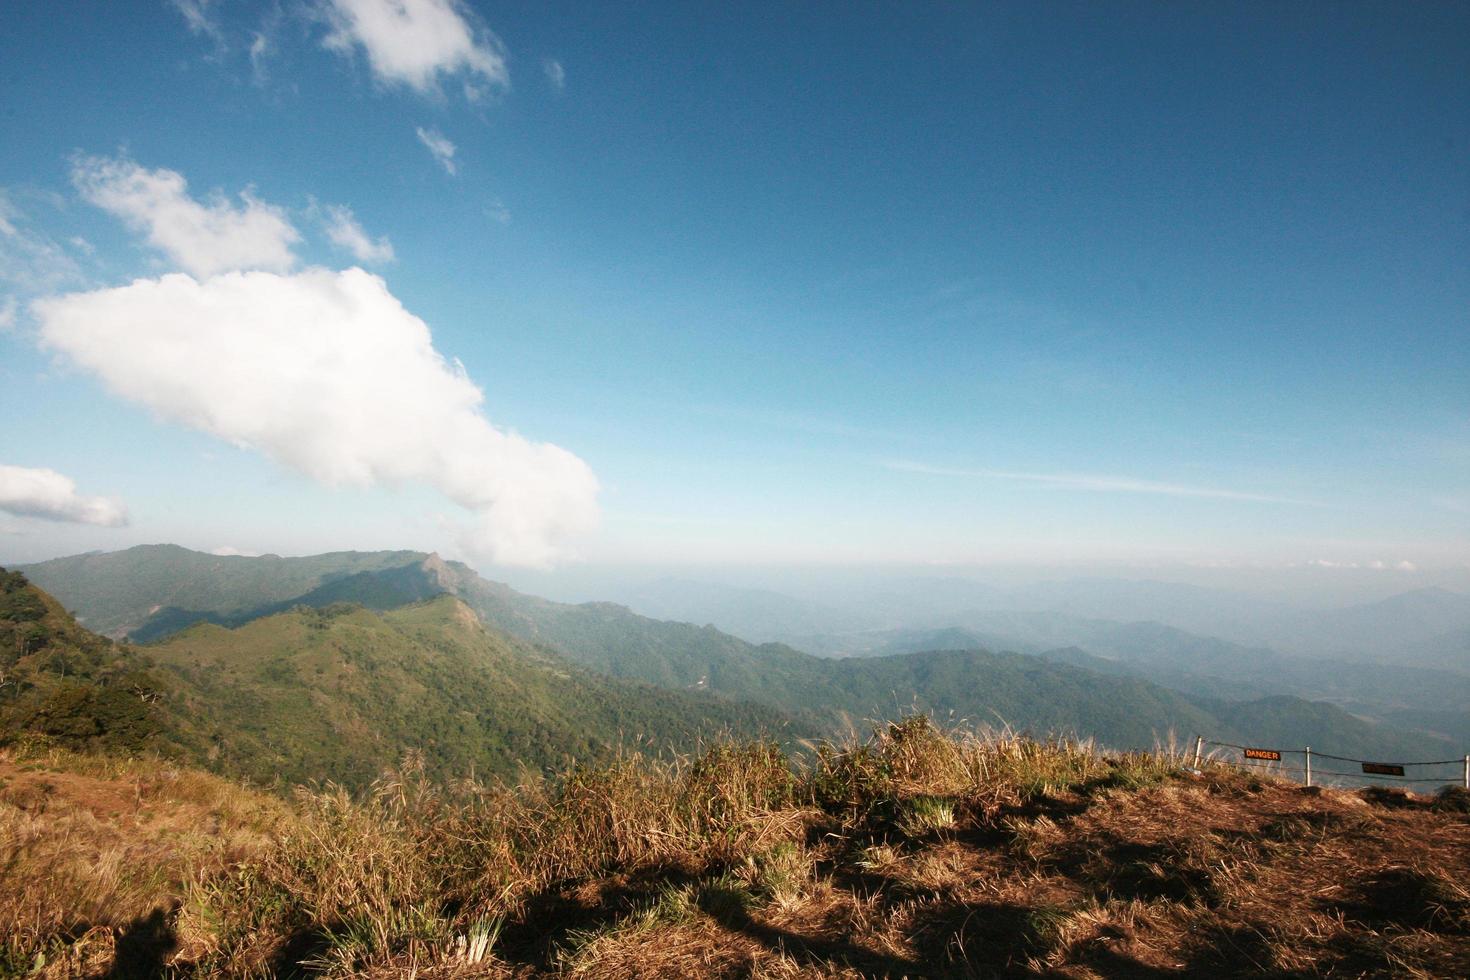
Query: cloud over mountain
column 48, row 494
column 326, row 373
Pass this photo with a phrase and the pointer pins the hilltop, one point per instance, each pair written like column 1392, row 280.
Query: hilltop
column 916, row 852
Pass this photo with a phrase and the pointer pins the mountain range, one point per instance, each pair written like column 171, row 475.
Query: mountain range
column 329, row 665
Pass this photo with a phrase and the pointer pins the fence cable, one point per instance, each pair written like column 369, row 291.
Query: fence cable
column 1338, row 758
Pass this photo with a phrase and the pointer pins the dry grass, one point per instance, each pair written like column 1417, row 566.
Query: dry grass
column 916, row 852
column 93, row 847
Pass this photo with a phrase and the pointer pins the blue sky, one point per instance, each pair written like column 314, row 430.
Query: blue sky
column 855, row 283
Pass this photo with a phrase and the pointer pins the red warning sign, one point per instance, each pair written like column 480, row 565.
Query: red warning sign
column 1270, row 755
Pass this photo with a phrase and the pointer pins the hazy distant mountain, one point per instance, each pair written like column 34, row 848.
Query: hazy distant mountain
column 1190, row 607
column 1450, row 651
column 864, row 617
column 1429, row 700
column 1388, row 631
column 757, row 615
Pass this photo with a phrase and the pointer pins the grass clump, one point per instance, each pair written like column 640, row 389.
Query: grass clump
column 922, row 816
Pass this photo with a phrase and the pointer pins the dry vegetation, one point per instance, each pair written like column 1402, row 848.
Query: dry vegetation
column 914, row 853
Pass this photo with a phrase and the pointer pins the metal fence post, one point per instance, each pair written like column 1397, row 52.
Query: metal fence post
column 1199, row 748
column 1467, row 772
column 1308, row 771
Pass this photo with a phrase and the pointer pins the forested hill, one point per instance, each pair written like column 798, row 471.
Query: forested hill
column 339, row 693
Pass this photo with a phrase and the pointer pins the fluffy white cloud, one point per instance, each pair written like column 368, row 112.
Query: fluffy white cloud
column 414, row 42
column 438, row 145
column 347, row 233
column 202, row 238
column 555, row 73
column 46, row 493
column 326, row 373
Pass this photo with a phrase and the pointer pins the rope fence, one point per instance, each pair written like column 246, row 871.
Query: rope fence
column 1261, row 757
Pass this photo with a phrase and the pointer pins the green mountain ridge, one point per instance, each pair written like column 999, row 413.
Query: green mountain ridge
column 116, row 592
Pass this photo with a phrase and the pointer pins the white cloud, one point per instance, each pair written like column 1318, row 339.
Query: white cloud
column 415, row 42
column 1090, row 482
column 438, row 144
column 7, row 314
column 48, row 494
column 345, row 232
column 555, row 73
column 202, row 238
column 326, row 373
column 229, row 551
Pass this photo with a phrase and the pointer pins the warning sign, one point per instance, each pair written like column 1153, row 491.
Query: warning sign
column 1270, row 755
column 1382, row 769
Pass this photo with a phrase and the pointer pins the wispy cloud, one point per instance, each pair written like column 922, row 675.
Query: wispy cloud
column 439, row 145
column 200, row 16
column 1093, row 483
column 260, row 49
column 556, row 75
column 345, row 232
column 30, row 260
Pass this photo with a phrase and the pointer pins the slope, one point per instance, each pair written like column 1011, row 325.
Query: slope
column 74, row 687
column 342, row 691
